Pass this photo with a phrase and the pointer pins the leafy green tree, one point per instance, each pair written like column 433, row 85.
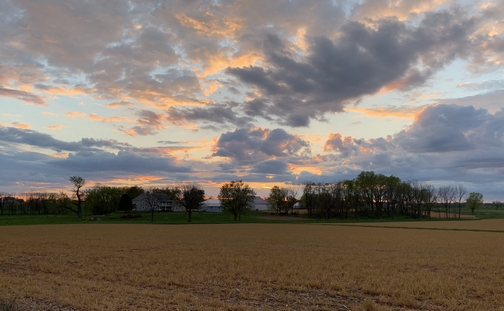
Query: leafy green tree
column 474, row 201
column 277, row 199
column 78, row 183
column 172, row 193
column 190, row 196
column 236, row 198
column 62, row 203
column 133, row 191
column 103, row 199
column 125, row 203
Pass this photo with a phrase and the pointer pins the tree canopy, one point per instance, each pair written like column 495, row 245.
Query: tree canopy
column 236, row 198
column 474, row 201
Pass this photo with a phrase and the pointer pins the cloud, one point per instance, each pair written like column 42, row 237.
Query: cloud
column 75, row 114
column 360, row 62
column 54, row 127
column 253, row 145
column 376, row 9
column 115, row 105
column 148, row 122
column 485, row 85
column 123, row 161
column 95, row 117
column 216, row 113
column 405, row 112
column 445, row 142
column 443, row 128
column 89, row 157
column 17, row 125
column 22, row 95
column 272, row 167
column 36, row 139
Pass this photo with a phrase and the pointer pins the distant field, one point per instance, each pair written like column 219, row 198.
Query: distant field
column 250, row 267
column 476, row 225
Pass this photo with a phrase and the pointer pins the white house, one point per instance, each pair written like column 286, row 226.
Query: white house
column 159, row 201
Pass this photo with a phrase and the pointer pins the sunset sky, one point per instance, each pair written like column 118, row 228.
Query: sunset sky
column 157, row 93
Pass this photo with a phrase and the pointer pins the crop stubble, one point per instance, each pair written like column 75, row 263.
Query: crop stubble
column 251, row 266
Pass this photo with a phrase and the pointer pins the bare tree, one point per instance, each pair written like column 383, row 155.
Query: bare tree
column 429, row 197
column 446, row 195
column 78, row 183
column 291, row 199
column 460, row 193
column 152, row 201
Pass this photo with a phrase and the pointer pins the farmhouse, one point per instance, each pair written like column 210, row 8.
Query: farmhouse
column 158, row 201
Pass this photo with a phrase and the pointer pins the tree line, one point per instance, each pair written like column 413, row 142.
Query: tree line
column 236, row 198
column 367, row 195
column 377, row 195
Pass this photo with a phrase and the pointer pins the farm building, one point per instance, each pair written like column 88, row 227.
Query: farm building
column 160, row 202
column 259, row 204
column 213, row 206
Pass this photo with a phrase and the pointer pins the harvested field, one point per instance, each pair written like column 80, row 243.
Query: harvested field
column 476, row 225
column 250, row 267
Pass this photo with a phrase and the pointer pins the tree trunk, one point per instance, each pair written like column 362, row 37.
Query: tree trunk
column 79, row 205
column 190, row 216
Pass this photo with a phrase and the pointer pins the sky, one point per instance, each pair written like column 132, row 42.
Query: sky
column 158, row 93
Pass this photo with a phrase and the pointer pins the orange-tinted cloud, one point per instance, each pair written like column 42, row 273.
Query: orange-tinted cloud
column 376, row 9
column 95, row 117
column 337, row 142
column 54, row 127
column 297, row 169
column 404, row 112
column 118, row 104
column 17, row 125
column 75, row 114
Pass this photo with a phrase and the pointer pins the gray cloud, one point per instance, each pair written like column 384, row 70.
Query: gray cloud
column 491, row 101
column 443, row 128
column 447, row 143
column 123, row 161
column 88, row 157
column 253, row 145
column 22, row 95
column 28, row 137
column 272, row 167
column 147, row 123
column 217, row 113
column 360, row 62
